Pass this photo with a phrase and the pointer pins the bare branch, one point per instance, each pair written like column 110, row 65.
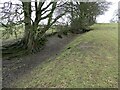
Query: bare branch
column 45, row 12
column 36, row 5
column 58, row 17
column 47, row 6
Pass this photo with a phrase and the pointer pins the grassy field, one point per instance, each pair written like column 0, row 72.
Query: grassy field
column 19, row 32
column 90, row 61
column 11, row 38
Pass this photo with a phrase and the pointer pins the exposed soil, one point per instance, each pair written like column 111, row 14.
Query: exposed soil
column 18, row 67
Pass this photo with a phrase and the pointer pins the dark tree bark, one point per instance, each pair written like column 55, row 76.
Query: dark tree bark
column 32, row 40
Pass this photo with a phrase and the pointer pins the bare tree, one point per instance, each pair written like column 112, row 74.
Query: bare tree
column 33, row 37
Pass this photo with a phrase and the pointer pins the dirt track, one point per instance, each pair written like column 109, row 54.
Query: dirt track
column 17, row 67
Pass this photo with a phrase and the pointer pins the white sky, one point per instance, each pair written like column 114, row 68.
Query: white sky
column 105, row 18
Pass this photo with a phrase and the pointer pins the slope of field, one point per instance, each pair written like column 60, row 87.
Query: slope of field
column 91, row 60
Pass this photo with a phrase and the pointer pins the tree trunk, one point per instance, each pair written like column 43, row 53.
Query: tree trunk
column 29, row 34
column 33, row 41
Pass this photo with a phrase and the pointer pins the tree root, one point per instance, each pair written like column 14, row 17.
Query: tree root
column 20, row 49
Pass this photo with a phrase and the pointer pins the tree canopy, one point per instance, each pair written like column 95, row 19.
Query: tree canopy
column 31, row 14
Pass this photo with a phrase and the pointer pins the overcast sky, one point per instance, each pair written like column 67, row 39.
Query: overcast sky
column 105, row 18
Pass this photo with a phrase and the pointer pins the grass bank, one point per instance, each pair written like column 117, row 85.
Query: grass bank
column 91, row 60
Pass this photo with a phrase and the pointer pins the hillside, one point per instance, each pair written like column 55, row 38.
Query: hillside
column 90, row 60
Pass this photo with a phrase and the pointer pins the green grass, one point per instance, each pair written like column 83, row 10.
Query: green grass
column 50, row 31
column 11, row 38
column 91, row 62
column 8, row 38
column 102, row 26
